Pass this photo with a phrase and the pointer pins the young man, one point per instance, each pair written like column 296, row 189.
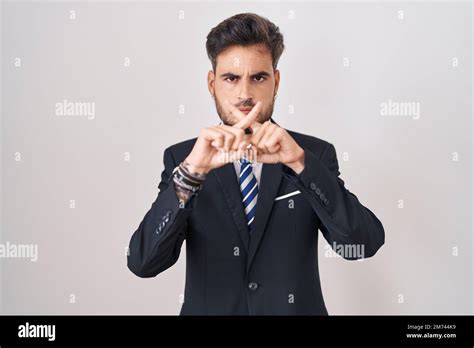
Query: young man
column 249, row 196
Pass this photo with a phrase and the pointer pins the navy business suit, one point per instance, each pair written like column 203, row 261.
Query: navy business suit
column 275, row 270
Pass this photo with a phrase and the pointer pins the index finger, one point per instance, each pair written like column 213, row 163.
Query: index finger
column 245, row 120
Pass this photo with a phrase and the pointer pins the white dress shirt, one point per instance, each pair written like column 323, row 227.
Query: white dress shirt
column 256, row 169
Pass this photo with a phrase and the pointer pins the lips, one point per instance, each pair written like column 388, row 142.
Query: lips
column 245, row 111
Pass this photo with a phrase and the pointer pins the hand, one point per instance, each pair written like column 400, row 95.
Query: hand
column 221, row 144
column 273, row 144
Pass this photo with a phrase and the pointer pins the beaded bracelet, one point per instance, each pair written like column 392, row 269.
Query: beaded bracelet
column 183, row 187
column 199, row 177
column 182, row 178
column 186, row 181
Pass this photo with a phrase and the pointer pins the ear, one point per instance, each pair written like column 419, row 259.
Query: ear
column 277, row 80
column 210, row 82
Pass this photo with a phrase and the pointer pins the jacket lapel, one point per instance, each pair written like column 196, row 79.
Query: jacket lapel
column 227, row 178
column 269, row 184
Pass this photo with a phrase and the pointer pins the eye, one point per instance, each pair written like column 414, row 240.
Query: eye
column 260, row 78
column 230, row 78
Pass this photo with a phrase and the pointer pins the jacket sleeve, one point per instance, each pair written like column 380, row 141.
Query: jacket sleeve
column 156, row 244
column 345, row 222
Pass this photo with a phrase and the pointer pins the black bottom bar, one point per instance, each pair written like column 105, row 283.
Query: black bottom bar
column 154, row 330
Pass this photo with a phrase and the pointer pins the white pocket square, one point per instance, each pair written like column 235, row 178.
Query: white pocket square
column 287, row 195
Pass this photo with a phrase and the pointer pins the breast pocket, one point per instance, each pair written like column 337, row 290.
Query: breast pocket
column 293, row 206
column 284, row 227
column 287, row 195
column 286, row 203
column 293, row 219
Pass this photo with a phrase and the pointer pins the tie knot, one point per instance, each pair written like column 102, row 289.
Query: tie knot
column 243, row 161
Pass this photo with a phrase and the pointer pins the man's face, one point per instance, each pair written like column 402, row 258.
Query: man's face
column 244, row 76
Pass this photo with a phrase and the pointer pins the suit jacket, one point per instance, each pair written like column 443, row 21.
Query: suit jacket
column 275, row 270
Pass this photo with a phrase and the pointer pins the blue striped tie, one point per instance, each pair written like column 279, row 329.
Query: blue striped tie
column 249, row 189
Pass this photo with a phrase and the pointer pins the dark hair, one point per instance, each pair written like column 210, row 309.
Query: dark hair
column 244, row 29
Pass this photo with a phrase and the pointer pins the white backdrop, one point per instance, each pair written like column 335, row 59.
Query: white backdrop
column 75, row 185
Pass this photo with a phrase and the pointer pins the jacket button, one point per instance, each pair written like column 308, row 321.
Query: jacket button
column 318, row 191
column 326, row 201
column 312, row 186
column 323, row 197
column 253, row 286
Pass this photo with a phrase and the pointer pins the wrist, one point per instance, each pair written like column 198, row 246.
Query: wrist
column 183, row 197
column 186, row 183
column 195, row 169
column 298, row 165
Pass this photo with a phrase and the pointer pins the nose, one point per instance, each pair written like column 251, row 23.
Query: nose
column 245, row 90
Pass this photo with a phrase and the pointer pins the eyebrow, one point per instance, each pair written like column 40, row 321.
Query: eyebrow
column 260, row 73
